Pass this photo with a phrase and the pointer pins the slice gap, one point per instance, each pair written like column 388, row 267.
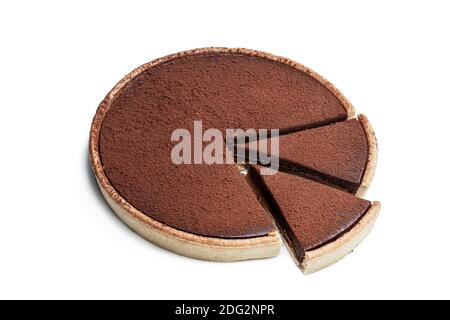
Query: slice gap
column 340, row 155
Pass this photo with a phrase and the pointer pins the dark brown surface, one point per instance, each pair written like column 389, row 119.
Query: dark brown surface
column 335, row 154
column 224, row 91
column 310, row 214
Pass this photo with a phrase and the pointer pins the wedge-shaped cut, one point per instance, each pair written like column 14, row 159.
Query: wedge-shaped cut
column 320, row 224
column 342, row 155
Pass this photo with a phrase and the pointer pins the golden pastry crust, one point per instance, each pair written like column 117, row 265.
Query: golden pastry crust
column 372, row 158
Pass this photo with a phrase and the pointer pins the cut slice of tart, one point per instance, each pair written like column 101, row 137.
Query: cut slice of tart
column 319, row 224
column 342, row 154
column 201, row 211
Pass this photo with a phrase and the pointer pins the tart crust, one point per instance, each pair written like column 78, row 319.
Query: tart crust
column 184, row 243
column 332, row 252
column 372, row 158
column 191, row 245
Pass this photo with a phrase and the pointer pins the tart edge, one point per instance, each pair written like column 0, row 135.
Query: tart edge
column 195, row 246
column 372, row 158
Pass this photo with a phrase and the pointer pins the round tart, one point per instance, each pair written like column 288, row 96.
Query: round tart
column 206, row 211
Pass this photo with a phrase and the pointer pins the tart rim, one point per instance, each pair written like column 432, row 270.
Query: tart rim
column 372, row 157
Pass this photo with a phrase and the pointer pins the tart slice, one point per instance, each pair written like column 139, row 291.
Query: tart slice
column 342, row 155
column 319, row 224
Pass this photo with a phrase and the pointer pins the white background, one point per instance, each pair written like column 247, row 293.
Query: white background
column 58, row 238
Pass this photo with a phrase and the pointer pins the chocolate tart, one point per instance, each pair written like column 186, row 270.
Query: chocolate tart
column 342, row 155
column 198, row 210
column 320, row 225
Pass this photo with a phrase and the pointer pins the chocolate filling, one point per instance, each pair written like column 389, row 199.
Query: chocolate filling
column 224, row 90
column 335, row 155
